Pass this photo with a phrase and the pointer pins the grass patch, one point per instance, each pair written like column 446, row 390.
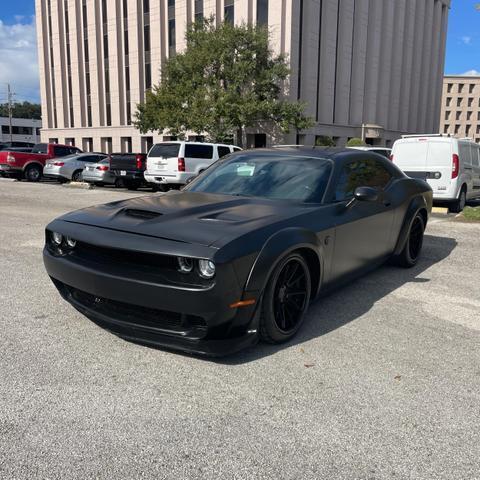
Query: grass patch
column 471, row 214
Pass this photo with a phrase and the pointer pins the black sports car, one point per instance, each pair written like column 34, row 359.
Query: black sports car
column 239, row 254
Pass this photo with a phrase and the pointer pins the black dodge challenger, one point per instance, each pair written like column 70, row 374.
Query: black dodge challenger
column 241, row 251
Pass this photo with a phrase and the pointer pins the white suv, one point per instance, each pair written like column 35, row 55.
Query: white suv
column 175, row 162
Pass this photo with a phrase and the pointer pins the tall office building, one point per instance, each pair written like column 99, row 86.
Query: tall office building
column 377, row 63
column 460, row 114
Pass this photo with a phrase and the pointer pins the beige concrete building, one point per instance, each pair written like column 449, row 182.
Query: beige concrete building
column 460, row 114
column 372, row 62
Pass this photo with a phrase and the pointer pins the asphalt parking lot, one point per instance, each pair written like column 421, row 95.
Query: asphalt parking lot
column 383, row 381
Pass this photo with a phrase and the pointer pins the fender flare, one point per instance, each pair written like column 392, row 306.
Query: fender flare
column 418, row 203
column 277, row 247
column 33, row 162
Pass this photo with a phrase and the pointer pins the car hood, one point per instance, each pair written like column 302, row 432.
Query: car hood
column 190, row 217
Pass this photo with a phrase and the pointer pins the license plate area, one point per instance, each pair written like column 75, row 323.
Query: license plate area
column 123, row 173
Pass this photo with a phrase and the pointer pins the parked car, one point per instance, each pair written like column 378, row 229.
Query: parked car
column 173, row 163
column 129, row 168
column 239, row 253
column 100, row 174
column 386, row 152
column 71, row 167
column 451, row 166
column 15, row 145
column 30, row 165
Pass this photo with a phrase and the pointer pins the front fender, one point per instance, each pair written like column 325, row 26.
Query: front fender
column 418, row 203
column 278, row 246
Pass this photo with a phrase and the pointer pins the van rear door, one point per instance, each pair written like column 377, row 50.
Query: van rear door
column 163, row 158
column 411, row 157
column 439, row 165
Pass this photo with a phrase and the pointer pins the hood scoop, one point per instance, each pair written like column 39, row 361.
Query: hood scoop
column 140, row 214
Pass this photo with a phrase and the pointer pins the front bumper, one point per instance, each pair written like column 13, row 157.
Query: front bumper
column 140, row 308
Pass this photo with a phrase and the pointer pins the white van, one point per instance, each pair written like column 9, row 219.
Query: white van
column 175, row 162
column 451, row 166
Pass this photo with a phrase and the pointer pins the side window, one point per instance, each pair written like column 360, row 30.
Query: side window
column 193, row 150
column 61, row 151
column 361, row 173
column 222, row 151
column 236, row 149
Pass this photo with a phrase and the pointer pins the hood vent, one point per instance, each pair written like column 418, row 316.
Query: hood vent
column 141, row 214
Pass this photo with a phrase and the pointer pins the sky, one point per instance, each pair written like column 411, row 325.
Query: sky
column 18, row 54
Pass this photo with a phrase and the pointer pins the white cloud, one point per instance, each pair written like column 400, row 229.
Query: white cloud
column 18, row 60
column 466, row 40
column 471, row 73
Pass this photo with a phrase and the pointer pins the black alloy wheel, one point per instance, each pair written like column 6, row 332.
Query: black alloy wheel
column 33, row 173
column 286, row 300
column 415, row 240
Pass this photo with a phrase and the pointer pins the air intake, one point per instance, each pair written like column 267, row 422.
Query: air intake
column 142, row 214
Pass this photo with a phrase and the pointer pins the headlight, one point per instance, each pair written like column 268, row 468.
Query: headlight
column 71, row 242
column 185, row 265
column 57, row 238
column 206, row 268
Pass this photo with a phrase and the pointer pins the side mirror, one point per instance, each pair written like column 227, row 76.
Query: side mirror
column 366, row 194
column 363, row 194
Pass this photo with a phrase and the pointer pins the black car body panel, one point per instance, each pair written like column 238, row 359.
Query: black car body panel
column 123, row 272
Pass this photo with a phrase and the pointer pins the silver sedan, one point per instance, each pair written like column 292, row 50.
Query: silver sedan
column 100, row 174
column 70, row 167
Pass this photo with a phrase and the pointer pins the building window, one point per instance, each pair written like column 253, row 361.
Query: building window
column 106, row 143
column 449, row 101
column 171, row 28
column 467, row 130
column 478, row 129
column 198, row 10
column 53, row 140
column 229, row 11
column 457, row 129
column 478, row 116
column 146, row 44
column 459, row 102
column 445, row 130
column 470, row 102
column 126, row 143
column 457, row 115
column 70, row 141
column 460, row 87
column 87, row 144
column 449, row 87
column 447, row 115
column 147, row 144
column 469, row 116
column 471, row 88
column 262, row 12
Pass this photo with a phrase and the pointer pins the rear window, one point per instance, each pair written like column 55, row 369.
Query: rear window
column 222, row 151
column 164, row 150
column 198, row 151
column 410, row 154
column 40, row 148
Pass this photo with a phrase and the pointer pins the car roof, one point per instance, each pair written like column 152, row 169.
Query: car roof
column 318, row 152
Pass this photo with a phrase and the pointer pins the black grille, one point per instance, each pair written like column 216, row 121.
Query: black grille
column 141, row 214
column 136, row 314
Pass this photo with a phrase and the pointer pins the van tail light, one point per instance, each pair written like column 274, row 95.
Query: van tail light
column 59, row 164
column 181, row 164
column 103, row 168
column 455, row 166
column 391, row 158
column 139, row 161
column 10, row 158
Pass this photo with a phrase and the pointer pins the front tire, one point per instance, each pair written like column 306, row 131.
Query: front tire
column 286, row 300
column 459, row 204
column 33, row 173
column 410, row 254
column 77, row 176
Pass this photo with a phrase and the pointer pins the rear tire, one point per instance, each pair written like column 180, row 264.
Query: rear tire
column 410, row 254
column 33, row 173
column 285, row 300
column 459, row 204
column 77, row 176
column 118, row 183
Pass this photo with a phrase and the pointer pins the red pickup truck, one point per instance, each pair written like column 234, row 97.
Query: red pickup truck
column 30, row 165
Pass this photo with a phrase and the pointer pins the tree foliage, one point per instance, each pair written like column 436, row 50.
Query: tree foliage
column 324, row 141
column 227, row 79
column 355, row 142
column 22, row 110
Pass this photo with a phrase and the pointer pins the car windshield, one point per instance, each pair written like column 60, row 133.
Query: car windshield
column 280, row 177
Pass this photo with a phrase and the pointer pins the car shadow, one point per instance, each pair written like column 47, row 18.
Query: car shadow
column 350, row 302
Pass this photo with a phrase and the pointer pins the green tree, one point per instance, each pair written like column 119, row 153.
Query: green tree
column 355, row 142
column 227, row 79
column 22, row 110
column 324, row 141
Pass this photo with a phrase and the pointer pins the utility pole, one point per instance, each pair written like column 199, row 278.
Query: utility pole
column 10, row 109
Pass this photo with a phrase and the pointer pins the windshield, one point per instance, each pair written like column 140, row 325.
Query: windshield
column 296, row 178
